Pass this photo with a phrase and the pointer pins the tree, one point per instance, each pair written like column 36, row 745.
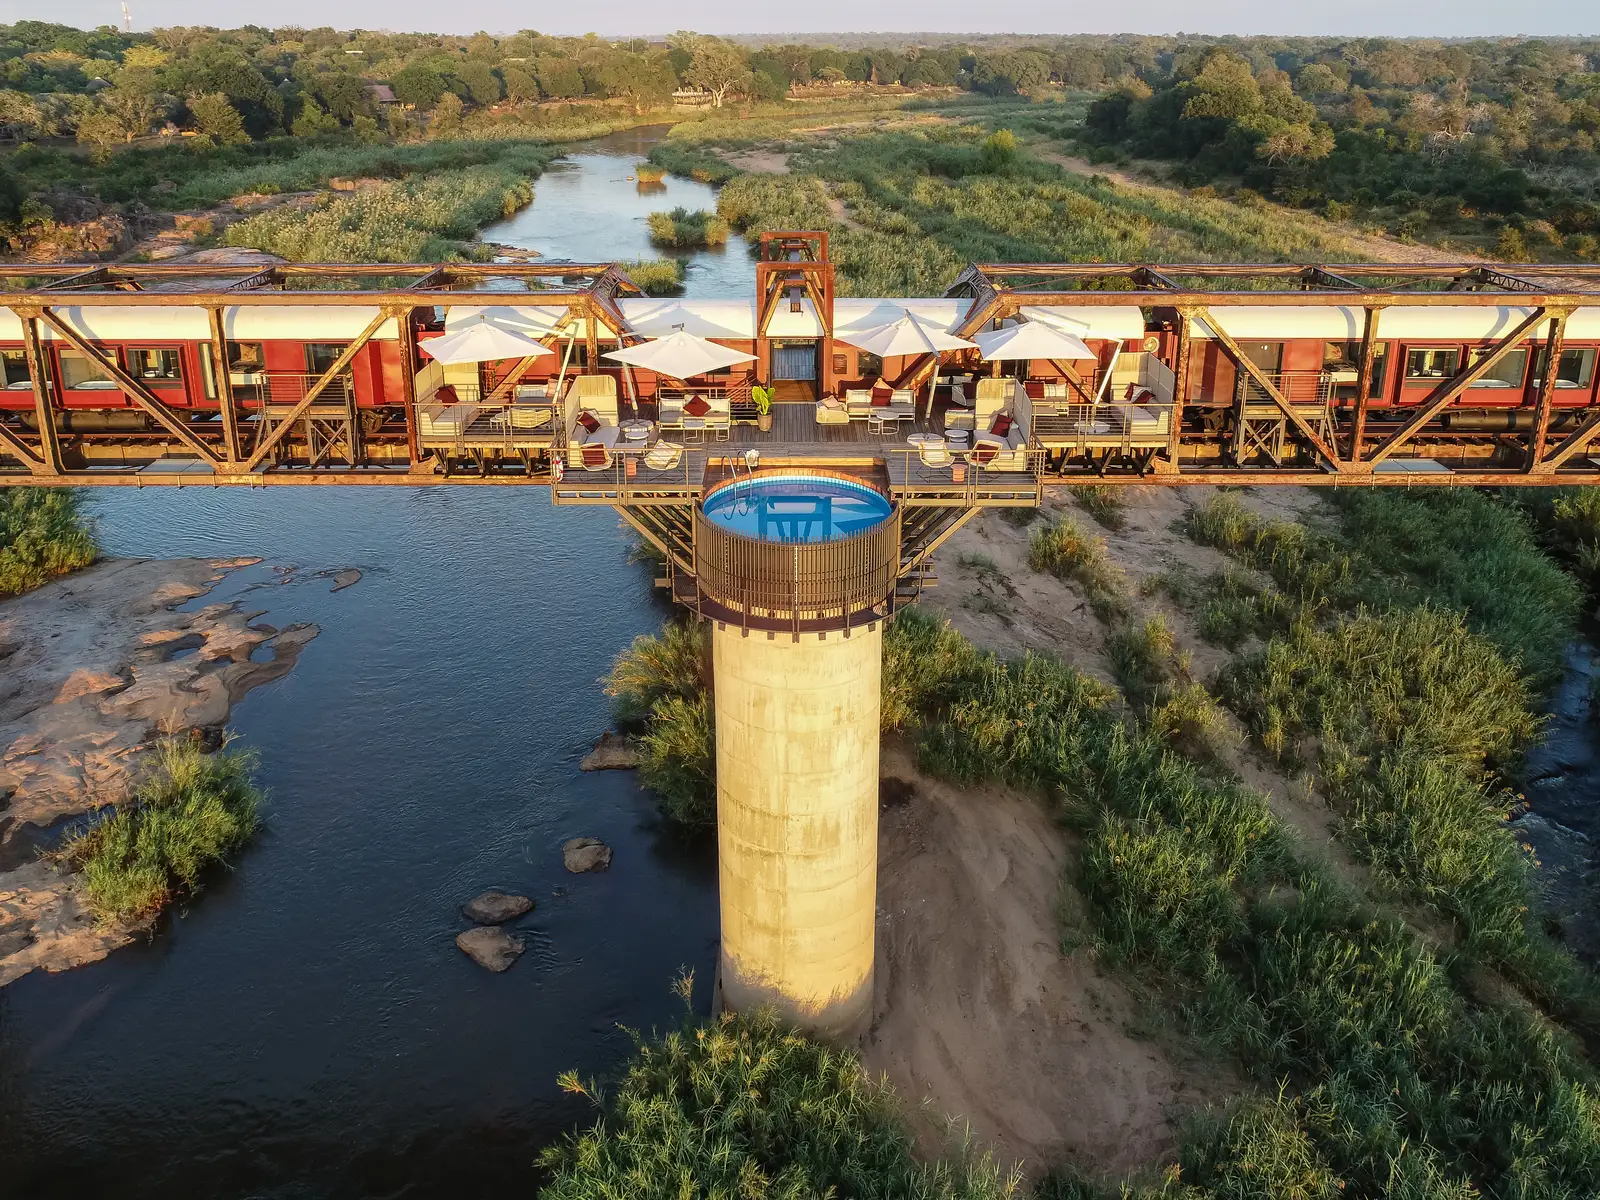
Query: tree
column 133, row 106
column 521, row 85
column 446, row 116
column 101, row 131
column 559, row 78
column 419, row 85
column 218, row 119
column 1224, row 88
column 999, row 151
column 20, row 117
column 1317, row 79
column 717, row 67
column 482, row 83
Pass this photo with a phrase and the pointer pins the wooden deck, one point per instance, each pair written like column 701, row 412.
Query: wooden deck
column 886, row 458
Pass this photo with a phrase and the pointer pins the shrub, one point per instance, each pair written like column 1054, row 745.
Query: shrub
column 746, row 1107
column 656, row 276
column 1102, row 502
column 42, row 534
column 674, row 662
column 659, row 685
column 1065, row 551
column 681, row 229
column 194, row 812
column 648, row 172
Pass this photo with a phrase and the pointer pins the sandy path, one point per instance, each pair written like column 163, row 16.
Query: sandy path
column 96, row 666
column 981, row 1014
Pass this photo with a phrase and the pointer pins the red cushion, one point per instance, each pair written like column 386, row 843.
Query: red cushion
column 984, row 453
column 588, row 422
column 1001, row 426
column 1034, row 388
column 1128, row 395
column 881, row 399
column 1144, row 397
column 697, row 407
column 594, row 456
column 446, row 394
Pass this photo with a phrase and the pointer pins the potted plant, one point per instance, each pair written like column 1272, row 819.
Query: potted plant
column 762, row 398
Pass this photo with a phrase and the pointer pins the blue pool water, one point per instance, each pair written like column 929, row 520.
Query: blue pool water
column 796, row 508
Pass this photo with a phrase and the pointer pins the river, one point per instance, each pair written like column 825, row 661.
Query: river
column 307, row 1027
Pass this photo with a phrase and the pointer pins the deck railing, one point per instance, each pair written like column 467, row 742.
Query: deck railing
column 795, row 587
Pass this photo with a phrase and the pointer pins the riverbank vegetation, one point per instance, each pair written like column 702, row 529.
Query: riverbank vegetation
column 660, row 690
column 193, row 814
column 429, row 218
column 743, row 1106
column 656, row 276
column 681, row 229
column 1379, row 1066
column 43, row 534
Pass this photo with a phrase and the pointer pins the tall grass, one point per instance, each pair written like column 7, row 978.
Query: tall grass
column 681, row 229
column 43, row 534
column 656, row 276
column 1396, row 1080
column 1064, row 550
column 659, row 687
column 428, row 219
column 922, row 206
column 745, row 1107
column 193, row 813
column 1421, row 628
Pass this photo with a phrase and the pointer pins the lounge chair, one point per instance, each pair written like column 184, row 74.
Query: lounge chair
column 1007, row 451
column 663, row 456
column 596, row 395
column 832, row 414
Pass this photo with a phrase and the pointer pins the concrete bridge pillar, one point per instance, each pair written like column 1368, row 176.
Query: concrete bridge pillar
column 797, row 822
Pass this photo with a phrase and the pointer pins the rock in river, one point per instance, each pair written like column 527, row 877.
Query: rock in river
column 493, row 907
column 612, row 752
column 586, row 854
column 490, row 946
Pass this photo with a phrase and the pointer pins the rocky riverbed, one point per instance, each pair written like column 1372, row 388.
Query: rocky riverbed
column 95, row 667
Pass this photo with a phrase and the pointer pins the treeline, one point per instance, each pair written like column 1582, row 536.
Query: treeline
column 1429, row 138
column 105, row 87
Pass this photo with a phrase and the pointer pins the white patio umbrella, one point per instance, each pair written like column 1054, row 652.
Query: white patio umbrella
column 679, row 355
column 483, row 340
column 679, row 316
column 1030, row 340
column 909, row 335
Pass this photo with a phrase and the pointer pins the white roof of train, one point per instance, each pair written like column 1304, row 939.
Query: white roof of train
column 116, row 323
column 1445, row 323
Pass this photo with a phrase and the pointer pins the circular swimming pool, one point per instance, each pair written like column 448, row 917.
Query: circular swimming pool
column 795, row 507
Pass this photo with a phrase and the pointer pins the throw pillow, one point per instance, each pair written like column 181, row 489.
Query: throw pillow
column 1001, row 426
column 984, row 453
column 446, row 394
column 881, row 399
column 697, row 407
column 1144, row 397
column 588, row 422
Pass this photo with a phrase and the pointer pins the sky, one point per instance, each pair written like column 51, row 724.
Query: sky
column 1397, row 18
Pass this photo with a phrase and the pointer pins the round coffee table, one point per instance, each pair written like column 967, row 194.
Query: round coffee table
column 959, row 439
column 636, row 431
column 1093, row 427
column 925, row 439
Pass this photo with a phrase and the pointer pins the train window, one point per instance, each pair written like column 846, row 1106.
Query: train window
column 1576, row 370
column 320, row 356
column 1509, row 372
column 1341, row 362
column 78, row 372
column 156, row 366
column 14, row 370
column 250, row 357
column 1431, row 364
column 1266, row 355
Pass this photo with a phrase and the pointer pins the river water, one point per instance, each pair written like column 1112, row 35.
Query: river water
column 307, row 1028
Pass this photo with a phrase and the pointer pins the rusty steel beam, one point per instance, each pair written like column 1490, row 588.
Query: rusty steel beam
column 1547, row 392
column 1155, row 280
column 129, row 386
column 1444, row 395
column 1180, row 391
column 1570, row 445
column 439, row 277
column 1369, row 357
column 1323, row 278
column 223, row 378
column 266, row 444
column 263, row 278
column 1242, row 361
column 49, row 457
